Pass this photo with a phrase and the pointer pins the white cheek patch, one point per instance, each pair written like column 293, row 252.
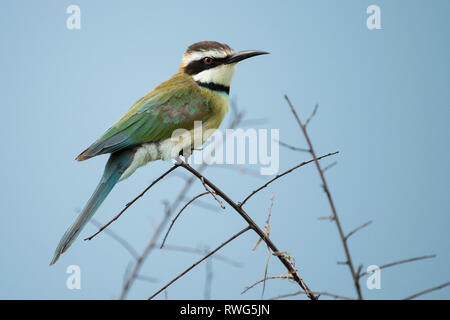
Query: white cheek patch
column 219, row 75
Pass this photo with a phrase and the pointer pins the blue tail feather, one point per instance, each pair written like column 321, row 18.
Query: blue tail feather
column 117, row 164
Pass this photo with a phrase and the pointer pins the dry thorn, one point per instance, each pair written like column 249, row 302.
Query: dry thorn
column 254, row 227
column 213, row 193
column 266, row 233
column 267, row 225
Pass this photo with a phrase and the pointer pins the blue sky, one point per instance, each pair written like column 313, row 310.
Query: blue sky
column 384, row 105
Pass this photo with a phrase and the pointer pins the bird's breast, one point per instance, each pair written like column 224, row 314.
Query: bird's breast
column 219, row 104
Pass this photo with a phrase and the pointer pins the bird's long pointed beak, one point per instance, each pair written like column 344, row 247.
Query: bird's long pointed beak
column 242, row 55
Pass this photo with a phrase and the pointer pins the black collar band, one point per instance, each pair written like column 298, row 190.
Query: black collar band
column 214, row 86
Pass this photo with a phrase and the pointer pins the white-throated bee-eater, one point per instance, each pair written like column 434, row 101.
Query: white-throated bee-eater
column 197, row 92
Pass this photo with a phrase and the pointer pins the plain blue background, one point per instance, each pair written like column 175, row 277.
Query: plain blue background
column 384, row 104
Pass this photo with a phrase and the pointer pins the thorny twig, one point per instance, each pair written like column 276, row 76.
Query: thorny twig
column 238, row 115
column 212, row 193
column 267, row 233
column 238, row 208
column 330, row 199
column 199, row 261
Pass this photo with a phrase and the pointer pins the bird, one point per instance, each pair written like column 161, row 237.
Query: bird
column 199, row 91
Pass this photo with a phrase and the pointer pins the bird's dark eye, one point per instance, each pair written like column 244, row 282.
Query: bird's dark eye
column 207, row 60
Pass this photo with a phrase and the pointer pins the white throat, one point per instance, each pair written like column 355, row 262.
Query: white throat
column 221, row 74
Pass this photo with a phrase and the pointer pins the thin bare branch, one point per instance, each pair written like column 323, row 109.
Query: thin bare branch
column 326, row 218
column 204, row 205
column 147, row 278
column 209, row 277
column 267, row 233
column 119, row 239
column 225, row 259
column 133, row 201
column 240, row 169
column 238, row 115
column 392, row 264
column 179, row 213
column 283, row 174
column 357, row 229
column 318, row 293
column 291, row 147
column 312, row 114
column 238, row 208
column 200, row 261
column 418, row 294
column 152, row 242
column 265, row 279
column 266, row 270
column 330, row 200
column 331, row 165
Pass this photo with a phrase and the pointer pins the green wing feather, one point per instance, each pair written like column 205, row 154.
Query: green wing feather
column 174, row 104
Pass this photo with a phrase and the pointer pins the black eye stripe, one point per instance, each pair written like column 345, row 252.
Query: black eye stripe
column 198, row 66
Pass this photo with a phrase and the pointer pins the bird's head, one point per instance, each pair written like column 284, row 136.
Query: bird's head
column 213, row 63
